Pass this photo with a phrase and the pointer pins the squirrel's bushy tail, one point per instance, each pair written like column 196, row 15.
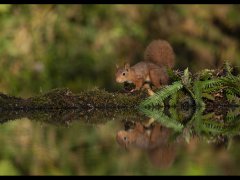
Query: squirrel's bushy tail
column 161, row 53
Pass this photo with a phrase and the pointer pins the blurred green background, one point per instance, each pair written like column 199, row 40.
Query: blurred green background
column 77, row 46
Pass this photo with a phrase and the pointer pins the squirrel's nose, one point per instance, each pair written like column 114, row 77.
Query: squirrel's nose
column 118, row 80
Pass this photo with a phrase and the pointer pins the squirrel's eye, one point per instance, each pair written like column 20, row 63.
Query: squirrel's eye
column 123, row 74
column 125, row 138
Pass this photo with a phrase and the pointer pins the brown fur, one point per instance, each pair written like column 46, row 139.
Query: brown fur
column 161, row 53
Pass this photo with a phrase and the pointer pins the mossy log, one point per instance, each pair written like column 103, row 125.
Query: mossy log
column 65, row 99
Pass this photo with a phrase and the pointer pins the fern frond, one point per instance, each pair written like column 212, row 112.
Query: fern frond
column 174, row 114
column 201, row 88
column 186, row 78
column 231, row 79
column 197, row 89
column 173, row 100
column 162, row 94
column 213, row 83
column 228, row 68
column 204, row 74
column 208, row 96
column 232, row 82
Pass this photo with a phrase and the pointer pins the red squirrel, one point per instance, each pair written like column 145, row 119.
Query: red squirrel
column 158, row 56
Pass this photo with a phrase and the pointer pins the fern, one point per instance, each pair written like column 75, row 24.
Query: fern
column 186, row 78
column 162, row 94
column 208, row 84
column 174, row 114
column 200, row 88
column 205, row 74
column 232, row 82
column 173, row 100
column 197, row 89
column 204, row 85
column 228, row 68
column 208, row 96
column 232, row 89
column 213, row 85
column 212, row 89
column 231, row 79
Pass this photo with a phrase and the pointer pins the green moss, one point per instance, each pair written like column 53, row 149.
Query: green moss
column 65, row 99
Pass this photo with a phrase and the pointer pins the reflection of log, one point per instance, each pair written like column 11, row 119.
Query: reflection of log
column 65, row 117
column 65, row 99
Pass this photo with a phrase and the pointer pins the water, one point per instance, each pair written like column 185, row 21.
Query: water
column 94, row 143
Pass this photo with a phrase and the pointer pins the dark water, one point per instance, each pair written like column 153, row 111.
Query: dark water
column 100, row 142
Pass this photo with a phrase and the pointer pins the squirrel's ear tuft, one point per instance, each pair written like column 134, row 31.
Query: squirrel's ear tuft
column 117, row 66
column 126, row 66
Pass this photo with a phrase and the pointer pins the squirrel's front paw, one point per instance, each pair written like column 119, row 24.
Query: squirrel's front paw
column 133, row 90
column 128, row 87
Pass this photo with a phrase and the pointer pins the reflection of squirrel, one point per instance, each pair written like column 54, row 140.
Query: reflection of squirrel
column 155, row 140
column 158, row 56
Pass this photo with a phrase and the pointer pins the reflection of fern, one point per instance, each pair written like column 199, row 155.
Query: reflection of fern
column 233, row 115
column 234, row 129
column 231, row 97
column 162, row 94
column 212, row 128
column 206, row 125
column 196, row 119
column 159, row 116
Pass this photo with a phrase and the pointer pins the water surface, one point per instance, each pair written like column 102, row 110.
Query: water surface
column 94, row 143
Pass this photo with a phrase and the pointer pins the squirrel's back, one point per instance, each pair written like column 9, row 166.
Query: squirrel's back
column 160, row 52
